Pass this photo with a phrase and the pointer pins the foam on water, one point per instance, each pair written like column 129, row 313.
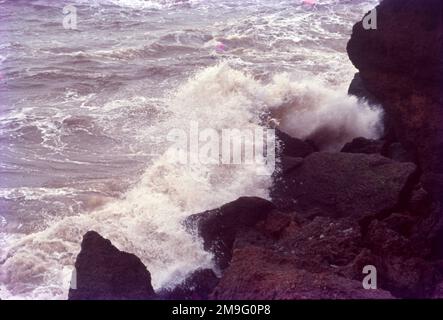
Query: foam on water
column 147, row 220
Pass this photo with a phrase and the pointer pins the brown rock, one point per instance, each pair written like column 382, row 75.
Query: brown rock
column 257, row 273
column 363, row 145
column 105, row 273
column 343, row 184
column 292, row 147
column 197, row 286
column 219, row 227
column 401, row 66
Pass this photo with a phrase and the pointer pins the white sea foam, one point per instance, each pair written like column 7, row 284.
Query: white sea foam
column 147, row 219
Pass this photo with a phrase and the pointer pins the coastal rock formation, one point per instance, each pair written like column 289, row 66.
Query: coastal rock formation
column 343, row 184
column 363, row 145
column 287, row 256
column 401, row 65
column 105, row 273
column 218, row 228
column 255, row 274
column 198, row 286
column 293, row 147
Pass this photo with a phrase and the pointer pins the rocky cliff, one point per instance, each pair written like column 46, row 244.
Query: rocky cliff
column 401, row 66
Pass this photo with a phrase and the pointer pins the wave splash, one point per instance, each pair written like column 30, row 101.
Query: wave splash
column 147, row 219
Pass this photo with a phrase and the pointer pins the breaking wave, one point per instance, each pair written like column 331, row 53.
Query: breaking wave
column 147, row 219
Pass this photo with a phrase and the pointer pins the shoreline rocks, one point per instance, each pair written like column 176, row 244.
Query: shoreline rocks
column 219, row 227
column 343, row 184
column 400, row 65
column 105, row 273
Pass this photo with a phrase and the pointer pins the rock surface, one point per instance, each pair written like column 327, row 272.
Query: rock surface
column 343, row 184
column 293, row 147
column 363, row 145
column 198, row 286
column 256, row 273
column 401, row 64
column 219, row 227
column 287, row 256
column 105, row 273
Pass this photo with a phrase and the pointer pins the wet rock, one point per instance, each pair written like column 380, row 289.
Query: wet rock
column 343, row 184
column 420, row 202
column 403, row 276
column 358, row 89
column 219, row 227
column 105, row 273
column 363, row 145
column 401, row 223
column 400, row 64
column 197, row 286
column 384, row 240
column 428, row 233
column 287, row 164
column 257, row 273
column 397, row 152
column 293, row 147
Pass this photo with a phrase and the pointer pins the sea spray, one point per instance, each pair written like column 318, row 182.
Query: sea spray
column 147, row 219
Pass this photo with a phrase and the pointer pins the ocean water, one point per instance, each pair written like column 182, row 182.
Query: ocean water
column 84, row 114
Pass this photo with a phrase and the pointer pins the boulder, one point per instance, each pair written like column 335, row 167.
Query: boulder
column 219, row 227
column 288, row 257
column 197, row 286
column 292, row 147
column 397, row 152
column 343, row 184
column 363, row 145
column 105, row 273
column 357, row 89
column 260, row 274
column 400, row 65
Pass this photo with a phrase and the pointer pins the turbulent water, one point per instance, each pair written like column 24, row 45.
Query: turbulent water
column 84, row 114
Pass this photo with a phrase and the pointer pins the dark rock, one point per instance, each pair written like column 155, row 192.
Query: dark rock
column 438, row 292
column 404, row 277
column 407, row 277
column 428, row 233
column 260, row 274
column 420, row 202
column 363, row 145
column 274, row 224
column 401, row 65
column 358, row 89
column 105, row 273
column 433, row 183
column 287, row 164
column 292, row 147
column 286, row 256
column 219, row 227
column 395, row 151
column 401, row 223
column 343, row 184
column 197, row 286
column 382, row 239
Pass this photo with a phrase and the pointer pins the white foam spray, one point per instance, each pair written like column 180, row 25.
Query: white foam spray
column 147, row 220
